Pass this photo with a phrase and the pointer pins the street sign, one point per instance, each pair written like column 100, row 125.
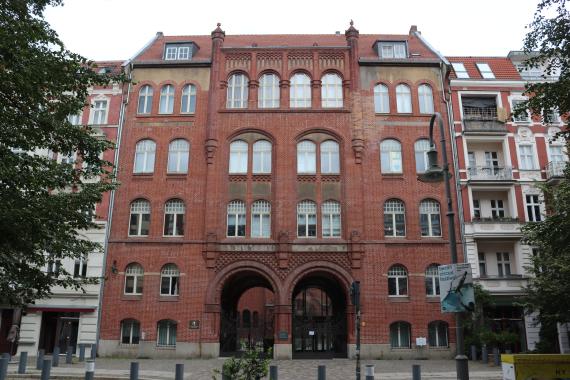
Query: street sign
column 456, row 288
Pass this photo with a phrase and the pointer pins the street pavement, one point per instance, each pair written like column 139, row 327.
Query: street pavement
column 201, row 369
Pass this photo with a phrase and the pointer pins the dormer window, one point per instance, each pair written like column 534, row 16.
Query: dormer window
column 460, row 70
column 178, row 52
column 392, row 49
column 485, row 71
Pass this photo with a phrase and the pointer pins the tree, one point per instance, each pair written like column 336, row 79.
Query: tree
column 45, row 204
column 548, row 288
column 548, row 45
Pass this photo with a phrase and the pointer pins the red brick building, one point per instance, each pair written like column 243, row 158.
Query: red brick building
column 286, row 163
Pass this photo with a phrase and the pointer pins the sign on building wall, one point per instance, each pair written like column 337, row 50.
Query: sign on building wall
column 456, row 288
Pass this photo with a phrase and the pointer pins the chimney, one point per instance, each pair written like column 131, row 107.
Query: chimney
column 414, row 29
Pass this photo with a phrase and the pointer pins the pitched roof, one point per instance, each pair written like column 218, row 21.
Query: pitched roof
column 113, row 66
column 502, row 67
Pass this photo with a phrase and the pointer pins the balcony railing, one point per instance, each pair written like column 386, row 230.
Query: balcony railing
column 555, row 169
column 490, row 173
column 480, row 113
column 482, row 119
column 490, row 219
column 504, row 277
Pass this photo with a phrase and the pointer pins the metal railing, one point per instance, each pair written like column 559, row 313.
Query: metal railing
column 480, row 113
column 555, row 169
column 490, row 173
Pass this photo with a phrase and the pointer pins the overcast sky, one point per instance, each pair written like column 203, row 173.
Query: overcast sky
column 117, row 29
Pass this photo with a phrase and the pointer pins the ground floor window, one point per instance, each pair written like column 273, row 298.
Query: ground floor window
column 166, row 336
column 437, row 334
column 400, row 335
column 130, row 331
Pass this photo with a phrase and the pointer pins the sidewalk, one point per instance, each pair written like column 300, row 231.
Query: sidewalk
column 200, row 369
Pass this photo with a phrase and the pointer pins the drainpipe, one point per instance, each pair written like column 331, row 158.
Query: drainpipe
column 124, row 103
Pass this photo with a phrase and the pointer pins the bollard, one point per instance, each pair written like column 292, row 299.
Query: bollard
column 46, row 369
column 473, row 352
column 179, row 372
column 416, row 372
column 23, row 362
column 496, row 356
column 3, row 368
column 40, row 358
column 134, row 371
column 322, row 373
column 55, row 357
column 68, row 355
column 369, row 372
column 273, row 372
column 93, row 351
column 484, row 354
column 89, row 369
column 81, row 352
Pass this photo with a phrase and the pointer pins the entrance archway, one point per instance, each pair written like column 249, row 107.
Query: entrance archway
column 319, row 318
column 246, row 319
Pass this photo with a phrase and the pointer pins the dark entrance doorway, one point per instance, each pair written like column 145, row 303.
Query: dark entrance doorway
column 319, row 319
column 6, row 320
column 247, row 314
column 59, row 329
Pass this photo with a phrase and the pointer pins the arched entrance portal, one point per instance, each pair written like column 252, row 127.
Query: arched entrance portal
column 319, row 318
column 247, row 302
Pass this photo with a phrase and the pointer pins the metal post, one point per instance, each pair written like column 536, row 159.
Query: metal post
column 40, row 358
column 46, row 369
column 134, row 371
column 462, row 365
column 179, row 372
column 496, row 356
column 3, row 368
column 273, row 375
column 81, row 352
column 322, row 373
column 69, row 355
column 473, row 352
column 23, row 362
column 89, row 369
column 484, row 354
column 369, row 372
column 416, row 372
column 93, row 351
column 55, row 357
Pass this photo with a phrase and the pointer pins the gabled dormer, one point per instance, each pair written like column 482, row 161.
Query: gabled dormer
column 179, row 51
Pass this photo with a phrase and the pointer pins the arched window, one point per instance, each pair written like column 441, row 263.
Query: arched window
column 394, row 218
column 169, row 278
column 134, row 275
column 237, row 91
column 421, row 148
column 331, row 219
column 178, row 151
column 300, row 91
column 391, row 156
column 330, row 161
column 381, row 99
column 438, row 334
column 145, row 100
column 246, row 316
column 174, row 218
column 268, row 95
column 403, row 98
column 236, row 219
column 331, row 91
column 432, row 280
column 166, row 99
column 144, row 156
column 140, row 218
column 397, row 281
column 238, row 157
column 261, row 219
column 255, row 319
column 400, row 335
column 130, row 331
column 306, row 157
column 307, row 219
column 425, row 96
column 166, row 333
column 261, row 157
column 430, row 221
column 188, row 103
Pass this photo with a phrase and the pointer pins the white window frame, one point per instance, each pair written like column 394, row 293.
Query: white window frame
column 504, row 264
column 517, row 119
column 139, row 207
column 300, row 91
column 188, row 99
column 169, row 324
column 135, row 271
column 130, row 323
column 330, row 157
column 432, row 276
column 145, row 150
column 394, row 207
column 390, row 158
column 331, row 214
column 99, row 112
column 183, row 53
column 525, row 164
column 166, row 101
column 331, row 91
column 392, row 49
column 75, row 119
column 421, row 147
column 306, row 210
column 562, row 157
column 171, row 273
column 425, row 98
column 381, row 98
column 497, row 208
column 80, row 268
column 171, row 53
column 236, row 209
column 482, row 260
column 260, row 212
column 404, row 99
column 269, row 91
column 177, row 209
column 396, row 273
column 237, row 92
column 178, row 157
column 306, row 157
column 533, row 208
column 437, row 325
column 146, row 97
column 428, row 207
column 460, row 70
column 239, row 152
column 485, row 70
column 262, row 151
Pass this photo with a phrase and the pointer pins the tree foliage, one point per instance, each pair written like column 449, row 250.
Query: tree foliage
column 548, row 287
column 44, row 204
column 548, row 45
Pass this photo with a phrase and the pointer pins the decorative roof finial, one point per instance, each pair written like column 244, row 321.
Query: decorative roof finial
column 219, row 24
column 351, row 22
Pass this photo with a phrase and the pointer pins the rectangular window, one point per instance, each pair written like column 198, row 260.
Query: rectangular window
column 183, row 52
column 80, row 269
column 556, row 153
column 503, row 264
column 521, row 117
column 497, row 208
column 485, row 71
column 551, row 117
column 99, row 112
column 527, row 157
column 460, row 70
column 178, row 51
column 533, row 208
column 476, row 209
column 392, row 50
column 482, row 265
